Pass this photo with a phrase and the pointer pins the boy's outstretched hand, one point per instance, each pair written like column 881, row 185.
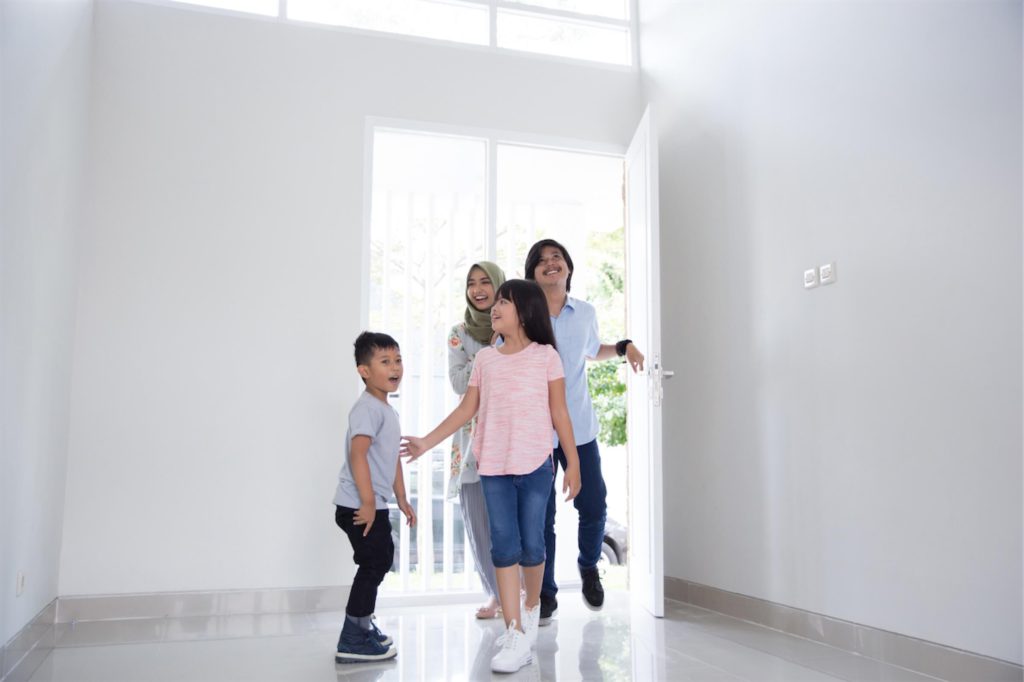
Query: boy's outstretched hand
column 571, row 482
column 365, row 515
column 410, row 513
column 411, row 448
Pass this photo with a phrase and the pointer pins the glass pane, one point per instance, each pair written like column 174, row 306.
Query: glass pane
column 265, row 7
column 427, row 226
column 576, row 199
column 613, row 9
column 464, row 23
column 438, row 484
column 572, row 197
column 564, row 38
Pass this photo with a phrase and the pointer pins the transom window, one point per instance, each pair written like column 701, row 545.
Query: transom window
column 592, row 30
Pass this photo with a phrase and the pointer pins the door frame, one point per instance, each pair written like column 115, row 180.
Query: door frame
column 493, row 138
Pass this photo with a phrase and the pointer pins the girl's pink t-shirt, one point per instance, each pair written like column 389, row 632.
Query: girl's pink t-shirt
column 513, row 426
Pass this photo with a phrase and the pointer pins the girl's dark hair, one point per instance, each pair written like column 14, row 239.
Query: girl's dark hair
column 533, row 260
column 531, row 307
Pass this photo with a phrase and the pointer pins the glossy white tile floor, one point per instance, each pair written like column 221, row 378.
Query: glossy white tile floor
column 447, row 643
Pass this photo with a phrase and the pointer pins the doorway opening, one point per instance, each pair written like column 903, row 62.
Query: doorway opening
column 440, row 200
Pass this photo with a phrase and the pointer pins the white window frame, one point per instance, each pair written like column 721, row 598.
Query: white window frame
column 630, row 24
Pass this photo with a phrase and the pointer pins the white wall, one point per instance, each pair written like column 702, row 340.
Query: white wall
column 853, row 450
column 45, row 50
column 221, row 288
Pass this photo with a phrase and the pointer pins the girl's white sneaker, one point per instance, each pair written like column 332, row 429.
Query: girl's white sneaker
column 515, row 651
column 531, row 621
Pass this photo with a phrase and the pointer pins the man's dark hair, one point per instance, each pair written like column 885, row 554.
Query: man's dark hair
column 369, row 342
column 533, row 260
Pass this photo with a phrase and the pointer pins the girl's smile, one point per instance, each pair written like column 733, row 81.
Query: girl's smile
column 504, row 319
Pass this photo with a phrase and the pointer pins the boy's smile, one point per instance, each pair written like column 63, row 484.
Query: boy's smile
column 383, row 374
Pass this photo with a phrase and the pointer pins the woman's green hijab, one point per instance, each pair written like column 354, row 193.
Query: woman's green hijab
column 478, row 322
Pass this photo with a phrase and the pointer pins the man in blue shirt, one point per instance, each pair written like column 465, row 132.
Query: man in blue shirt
column 575, row 325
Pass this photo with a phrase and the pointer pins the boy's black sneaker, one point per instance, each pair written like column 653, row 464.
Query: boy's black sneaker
column 357, row 645
column 593, row 593
column 548, row 608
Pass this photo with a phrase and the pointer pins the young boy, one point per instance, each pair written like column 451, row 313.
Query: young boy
column 371, row 472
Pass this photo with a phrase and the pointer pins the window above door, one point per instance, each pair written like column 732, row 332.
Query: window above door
column 590, row 30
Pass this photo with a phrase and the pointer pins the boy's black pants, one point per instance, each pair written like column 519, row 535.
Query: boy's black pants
column 373, row 554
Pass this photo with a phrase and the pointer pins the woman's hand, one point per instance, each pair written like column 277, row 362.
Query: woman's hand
column 571, row 482
column 411, row 448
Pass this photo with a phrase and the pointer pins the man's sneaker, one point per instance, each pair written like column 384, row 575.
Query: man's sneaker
column 515, row 651
column 531, row 620
column 378, row 635
column 357, row 645
column 593, row 593
column 548, row 608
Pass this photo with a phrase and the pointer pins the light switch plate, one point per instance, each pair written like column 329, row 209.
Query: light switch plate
column 828, row 273
column 810, row 278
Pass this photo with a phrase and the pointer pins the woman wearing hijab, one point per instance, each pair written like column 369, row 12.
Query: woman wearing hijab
column 464, row 341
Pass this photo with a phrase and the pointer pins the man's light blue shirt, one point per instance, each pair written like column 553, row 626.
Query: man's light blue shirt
column 575, row 329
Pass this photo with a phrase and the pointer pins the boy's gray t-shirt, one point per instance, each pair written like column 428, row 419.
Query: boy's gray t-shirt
column 378, row 420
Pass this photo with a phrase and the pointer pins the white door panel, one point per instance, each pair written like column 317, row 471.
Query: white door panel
column 645, row 393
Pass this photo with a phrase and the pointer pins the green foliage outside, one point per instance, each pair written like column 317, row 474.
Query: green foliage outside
column 607, row 390
column 609, row 396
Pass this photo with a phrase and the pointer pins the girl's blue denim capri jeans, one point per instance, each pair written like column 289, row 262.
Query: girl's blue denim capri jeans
column 516, row 507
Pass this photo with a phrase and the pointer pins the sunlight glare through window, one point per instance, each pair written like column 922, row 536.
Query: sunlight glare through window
column 264, row 7
column 426, row 228
column 564, row 38
column 613, row 9
column 460, row 22
column 557, row 194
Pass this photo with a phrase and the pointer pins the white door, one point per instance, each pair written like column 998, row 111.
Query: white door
column 643, row 306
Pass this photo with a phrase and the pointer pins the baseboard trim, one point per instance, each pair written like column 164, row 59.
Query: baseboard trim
column 22, row 654
column 907, row 652
column 73, row 609
column 232, row 602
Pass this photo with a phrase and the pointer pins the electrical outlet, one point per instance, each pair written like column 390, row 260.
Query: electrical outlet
column 828, row 273
column 19, row 587
column 810, row 278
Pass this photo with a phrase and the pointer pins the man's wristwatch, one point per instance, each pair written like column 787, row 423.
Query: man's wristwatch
column 620, row 347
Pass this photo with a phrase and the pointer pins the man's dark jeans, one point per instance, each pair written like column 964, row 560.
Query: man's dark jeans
column 592, row 507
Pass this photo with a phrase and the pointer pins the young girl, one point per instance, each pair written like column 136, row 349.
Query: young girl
column 466, row 339
column 517, row 392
